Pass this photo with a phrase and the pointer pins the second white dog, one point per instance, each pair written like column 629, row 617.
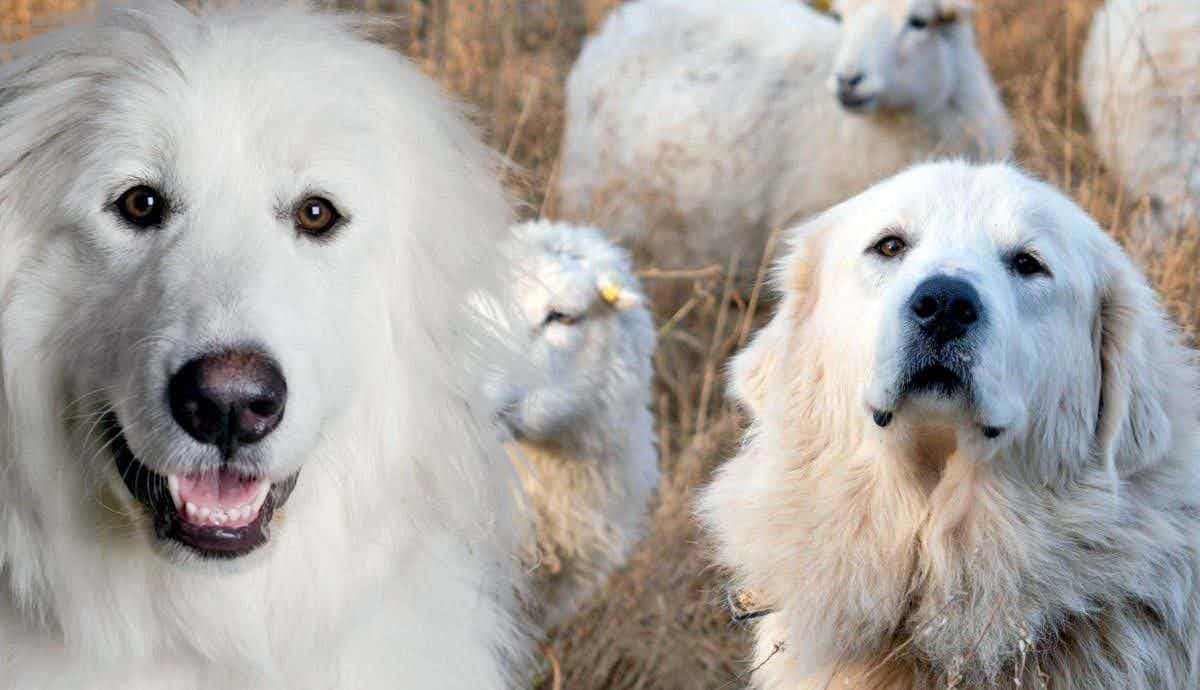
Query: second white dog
column 974, row 461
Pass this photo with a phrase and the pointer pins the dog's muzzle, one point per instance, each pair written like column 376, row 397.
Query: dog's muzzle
column 227, row 400
column 942, row 321
column 942, row 315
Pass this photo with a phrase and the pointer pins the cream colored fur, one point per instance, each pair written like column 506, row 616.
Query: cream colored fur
column 923, row 555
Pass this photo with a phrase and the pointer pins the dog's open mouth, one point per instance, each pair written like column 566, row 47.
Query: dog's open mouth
column 217, row 514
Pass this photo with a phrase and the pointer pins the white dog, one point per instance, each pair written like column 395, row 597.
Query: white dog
column 974, row 458
column 240, row 441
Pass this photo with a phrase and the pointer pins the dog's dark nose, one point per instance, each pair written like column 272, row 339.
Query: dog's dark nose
column 945, row 308
column 229, row 398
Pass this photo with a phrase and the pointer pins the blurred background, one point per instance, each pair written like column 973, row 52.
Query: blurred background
column 661, row 623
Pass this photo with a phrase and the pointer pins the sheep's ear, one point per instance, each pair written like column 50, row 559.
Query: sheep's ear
column 1144, row 374
column 820, row 5
column 617, row 295
column 950, row 11
column 797, row 278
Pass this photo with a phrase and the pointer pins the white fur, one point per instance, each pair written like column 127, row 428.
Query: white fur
column 694, row 127
column 579, row 411
column 1142, row 96
column 391, row 565
column 1062, row 554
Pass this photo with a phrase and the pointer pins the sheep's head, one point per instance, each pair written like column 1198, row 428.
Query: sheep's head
column 582, row 308
column 898, row 54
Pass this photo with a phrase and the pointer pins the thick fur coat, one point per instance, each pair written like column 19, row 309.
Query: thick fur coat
column 1028, row 519
column 392, row 563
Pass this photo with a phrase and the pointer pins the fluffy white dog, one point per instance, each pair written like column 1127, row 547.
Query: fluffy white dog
column 240, row 441
column 974, row 457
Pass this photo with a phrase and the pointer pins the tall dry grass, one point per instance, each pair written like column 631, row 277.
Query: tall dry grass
column 660, row 624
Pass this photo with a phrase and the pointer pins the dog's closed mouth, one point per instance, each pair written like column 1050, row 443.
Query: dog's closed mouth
column 936, row 379
column 217, row 513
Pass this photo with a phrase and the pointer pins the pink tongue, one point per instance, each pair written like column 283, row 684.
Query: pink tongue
column 219, row 493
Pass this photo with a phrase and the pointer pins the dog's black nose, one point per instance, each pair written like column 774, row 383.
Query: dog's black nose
column 945, row 308
column 229, row 398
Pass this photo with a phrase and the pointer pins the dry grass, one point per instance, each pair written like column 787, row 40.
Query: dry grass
column 660, row 624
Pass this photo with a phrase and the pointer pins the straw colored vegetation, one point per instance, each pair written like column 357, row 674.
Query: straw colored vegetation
column 661, row 624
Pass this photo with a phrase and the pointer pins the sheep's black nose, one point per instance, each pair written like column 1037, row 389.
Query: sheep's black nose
column 228, row 398
column 847, row 91
column 945, row 308
column 849, row 82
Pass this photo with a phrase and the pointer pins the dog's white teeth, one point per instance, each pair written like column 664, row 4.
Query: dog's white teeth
column 204, row 513
column 173, row 488
column 191, row 509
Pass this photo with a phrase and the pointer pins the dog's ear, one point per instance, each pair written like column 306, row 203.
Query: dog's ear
column 754, row 366
column 40, row 105
column 1145, row 373
column 797, row 280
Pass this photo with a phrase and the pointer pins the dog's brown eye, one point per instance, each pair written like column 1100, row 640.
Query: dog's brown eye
column 890, row 247
column 142, row 206
column 1026, row 264
column 316, row 216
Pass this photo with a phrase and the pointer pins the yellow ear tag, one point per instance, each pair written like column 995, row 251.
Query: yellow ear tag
column 825, row 6
column 610, row 291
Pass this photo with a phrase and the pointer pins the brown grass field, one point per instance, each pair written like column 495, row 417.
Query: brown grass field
column 660, row 625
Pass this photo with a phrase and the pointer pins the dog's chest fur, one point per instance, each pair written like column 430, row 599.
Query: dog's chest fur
column 968, row 579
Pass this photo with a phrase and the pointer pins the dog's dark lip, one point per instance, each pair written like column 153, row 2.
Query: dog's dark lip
column 883, row 418
column 937, row 379
column 210, row 541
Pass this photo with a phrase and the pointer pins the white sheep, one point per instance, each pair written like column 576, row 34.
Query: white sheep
column 582, row 433
column 696, row 126
column 1142, row 96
